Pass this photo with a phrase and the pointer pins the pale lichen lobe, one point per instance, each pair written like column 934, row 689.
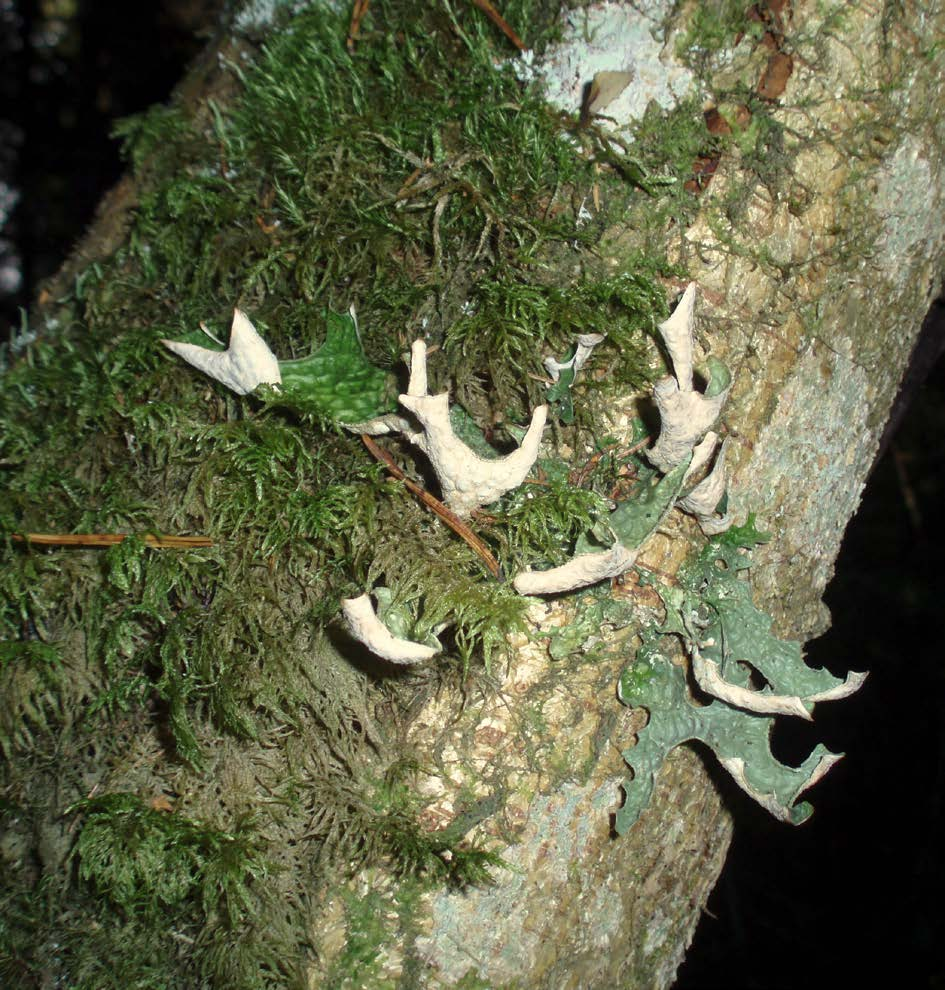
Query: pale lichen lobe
column 468, row 481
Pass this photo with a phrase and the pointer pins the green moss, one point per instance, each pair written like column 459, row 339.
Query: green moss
column 148, row 889
column 369, row 929
column 148, row 862
column 419, row 180
column 541, row 523
column 715, row 25
column 30, row 676
column 510, row 316
column 444, row 582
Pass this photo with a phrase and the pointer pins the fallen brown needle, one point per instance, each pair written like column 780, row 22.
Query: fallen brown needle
column 110, row 540
column 436, row 506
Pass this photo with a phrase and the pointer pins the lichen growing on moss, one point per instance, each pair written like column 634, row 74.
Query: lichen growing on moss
column 410, row 178
column 187, row 698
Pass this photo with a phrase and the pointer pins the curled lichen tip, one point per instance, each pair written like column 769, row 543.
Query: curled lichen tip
column 581, row 571
column 246, row 363
column 418, row 369
column 786, row 811
column 704, row 498
column 677, row 335
column 367, row 629
column 586, row 342
column 706, row 673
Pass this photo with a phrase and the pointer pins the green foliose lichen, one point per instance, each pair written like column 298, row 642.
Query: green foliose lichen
column 418, row 179
column 739, row 739
column 711, row 611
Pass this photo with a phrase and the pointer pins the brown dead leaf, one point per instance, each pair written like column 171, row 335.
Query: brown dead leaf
column 776, row 74
column 604, row 89
column 703, row 168
column 716, row 123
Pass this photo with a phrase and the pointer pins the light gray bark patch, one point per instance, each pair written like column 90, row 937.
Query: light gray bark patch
column 464, row 932
column 810, row 461
column 616, row 37
column 909, row 200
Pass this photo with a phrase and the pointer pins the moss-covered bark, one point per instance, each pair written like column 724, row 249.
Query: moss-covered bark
column 204, row 783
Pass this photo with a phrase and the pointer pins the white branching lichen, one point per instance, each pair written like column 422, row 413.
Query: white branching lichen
column 691, row 458
column 245, row 364
column 704, row 498
column 586, row 342
column 467, row 480
column 367, row 629
column 677, row 335
column 685, row 415
column 581, row 571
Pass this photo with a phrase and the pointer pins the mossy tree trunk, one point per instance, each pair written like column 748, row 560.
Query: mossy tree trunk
column 806, row 206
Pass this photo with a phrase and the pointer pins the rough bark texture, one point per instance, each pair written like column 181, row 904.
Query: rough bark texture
column 814, row 299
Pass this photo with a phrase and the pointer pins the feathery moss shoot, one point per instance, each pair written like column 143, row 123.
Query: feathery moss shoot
column 203, row 698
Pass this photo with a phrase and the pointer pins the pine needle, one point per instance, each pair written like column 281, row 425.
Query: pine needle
column 111, row 539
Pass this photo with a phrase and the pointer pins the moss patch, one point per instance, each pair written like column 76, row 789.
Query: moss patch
column 191, row 730
column 189, row 735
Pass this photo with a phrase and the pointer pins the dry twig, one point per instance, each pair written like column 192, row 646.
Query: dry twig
column 500, row 22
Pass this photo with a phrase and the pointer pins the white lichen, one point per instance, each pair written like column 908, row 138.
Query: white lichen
column 245, row 364
column 685, row 415
column 676, row 332
column 709, row 678
column 586, row 342
column 702, row 454
column 581, row 571
column 467, row 480
column 367, row 628
column 704, row 497
column 418, row 369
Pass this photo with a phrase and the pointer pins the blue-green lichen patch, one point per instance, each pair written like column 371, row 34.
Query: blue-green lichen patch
column 594, row 613
column 729, row 643
column 635, row 519
column 739, row 739
column 730, row 631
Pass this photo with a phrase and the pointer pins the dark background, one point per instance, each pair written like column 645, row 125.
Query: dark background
column 855, row 894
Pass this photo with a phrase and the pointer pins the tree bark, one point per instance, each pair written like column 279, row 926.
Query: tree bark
column 814, row 295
